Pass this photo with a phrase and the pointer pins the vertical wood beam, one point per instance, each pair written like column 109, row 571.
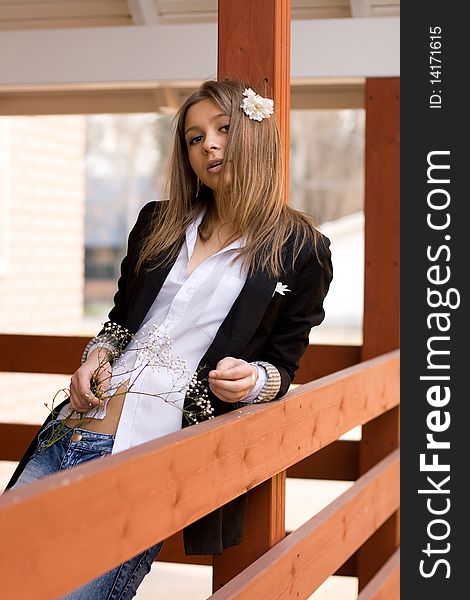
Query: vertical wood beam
column 254, row 46
column 382, row 288
column 382, row 217
column 264, row 527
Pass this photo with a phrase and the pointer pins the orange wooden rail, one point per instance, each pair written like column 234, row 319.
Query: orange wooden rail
column 14, row 439
column 61, row 354
column 148, row 493
column 385, row 585
column 339, row 460
column 299, row 564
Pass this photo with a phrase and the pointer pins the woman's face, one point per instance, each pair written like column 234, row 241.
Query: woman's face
column 206, row 132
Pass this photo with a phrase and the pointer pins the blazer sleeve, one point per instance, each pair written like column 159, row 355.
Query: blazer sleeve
column 303, row 310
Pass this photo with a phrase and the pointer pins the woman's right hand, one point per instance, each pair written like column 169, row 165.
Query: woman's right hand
column 96, row 368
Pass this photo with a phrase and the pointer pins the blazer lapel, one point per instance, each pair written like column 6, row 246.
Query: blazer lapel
column 242, row 320
column 147, row 287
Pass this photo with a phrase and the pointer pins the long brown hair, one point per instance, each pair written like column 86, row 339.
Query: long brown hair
column 253, row 203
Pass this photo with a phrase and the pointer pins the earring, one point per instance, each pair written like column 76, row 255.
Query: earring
column 198, row 187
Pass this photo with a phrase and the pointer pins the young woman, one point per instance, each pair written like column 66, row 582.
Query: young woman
column 223, row 278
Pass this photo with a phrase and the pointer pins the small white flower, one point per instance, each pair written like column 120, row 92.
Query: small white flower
column 255, row 106
column 281, row 288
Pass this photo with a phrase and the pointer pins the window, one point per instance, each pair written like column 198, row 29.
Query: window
column 327, row 181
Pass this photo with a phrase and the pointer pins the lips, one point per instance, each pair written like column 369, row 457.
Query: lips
column 214, row 166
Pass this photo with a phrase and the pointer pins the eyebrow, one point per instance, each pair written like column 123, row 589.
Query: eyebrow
column 211, row 119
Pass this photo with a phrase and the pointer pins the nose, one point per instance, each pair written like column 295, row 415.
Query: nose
column 210, row 142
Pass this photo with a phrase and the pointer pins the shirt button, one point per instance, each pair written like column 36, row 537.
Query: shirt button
column 76, row 437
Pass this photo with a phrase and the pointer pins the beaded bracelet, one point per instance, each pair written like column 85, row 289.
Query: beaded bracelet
column 105, row 340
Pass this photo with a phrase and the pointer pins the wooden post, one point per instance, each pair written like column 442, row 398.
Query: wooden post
column 264, row 527
column 382, row 288
column 254, row 45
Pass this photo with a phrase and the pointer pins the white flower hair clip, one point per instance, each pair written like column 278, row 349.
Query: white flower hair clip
column 255, row 106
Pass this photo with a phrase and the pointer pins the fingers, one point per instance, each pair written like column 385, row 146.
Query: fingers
column 232, row 368
column 229, row 361
column 82, row 399
column 233, row 379
column 103, row 379
column 233, row 392
column 233, row 385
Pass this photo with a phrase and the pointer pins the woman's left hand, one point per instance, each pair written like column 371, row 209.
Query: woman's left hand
column 233, row 379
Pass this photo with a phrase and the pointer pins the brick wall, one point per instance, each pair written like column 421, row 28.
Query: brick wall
column 41, row 283
column 42, row 201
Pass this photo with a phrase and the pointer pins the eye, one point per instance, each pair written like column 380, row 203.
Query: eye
column 195, row 140
column 225, row 128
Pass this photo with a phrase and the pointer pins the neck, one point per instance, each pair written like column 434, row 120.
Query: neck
column 211, row 227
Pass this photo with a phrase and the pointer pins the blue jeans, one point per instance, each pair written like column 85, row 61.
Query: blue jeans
column 76, row 447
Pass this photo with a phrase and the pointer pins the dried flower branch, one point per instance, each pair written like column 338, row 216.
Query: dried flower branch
column 154, row 348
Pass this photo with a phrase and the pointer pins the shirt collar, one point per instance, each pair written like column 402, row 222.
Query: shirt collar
column 191, row 235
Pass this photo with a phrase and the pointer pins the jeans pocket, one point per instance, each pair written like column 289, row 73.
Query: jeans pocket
column 47, row 432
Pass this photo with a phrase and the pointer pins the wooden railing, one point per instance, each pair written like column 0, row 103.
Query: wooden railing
column 106, row 511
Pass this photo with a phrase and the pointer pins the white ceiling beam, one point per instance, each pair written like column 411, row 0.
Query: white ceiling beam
column 143, row 12
column 109, row 54
column 346, row 47
column 114, row 55
column 361, row 8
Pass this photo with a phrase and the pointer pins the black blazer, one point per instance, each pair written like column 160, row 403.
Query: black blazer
column 261, row 325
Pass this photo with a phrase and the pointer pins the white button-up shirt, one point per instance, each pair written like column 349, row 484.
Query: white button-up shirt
column 179, row 327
